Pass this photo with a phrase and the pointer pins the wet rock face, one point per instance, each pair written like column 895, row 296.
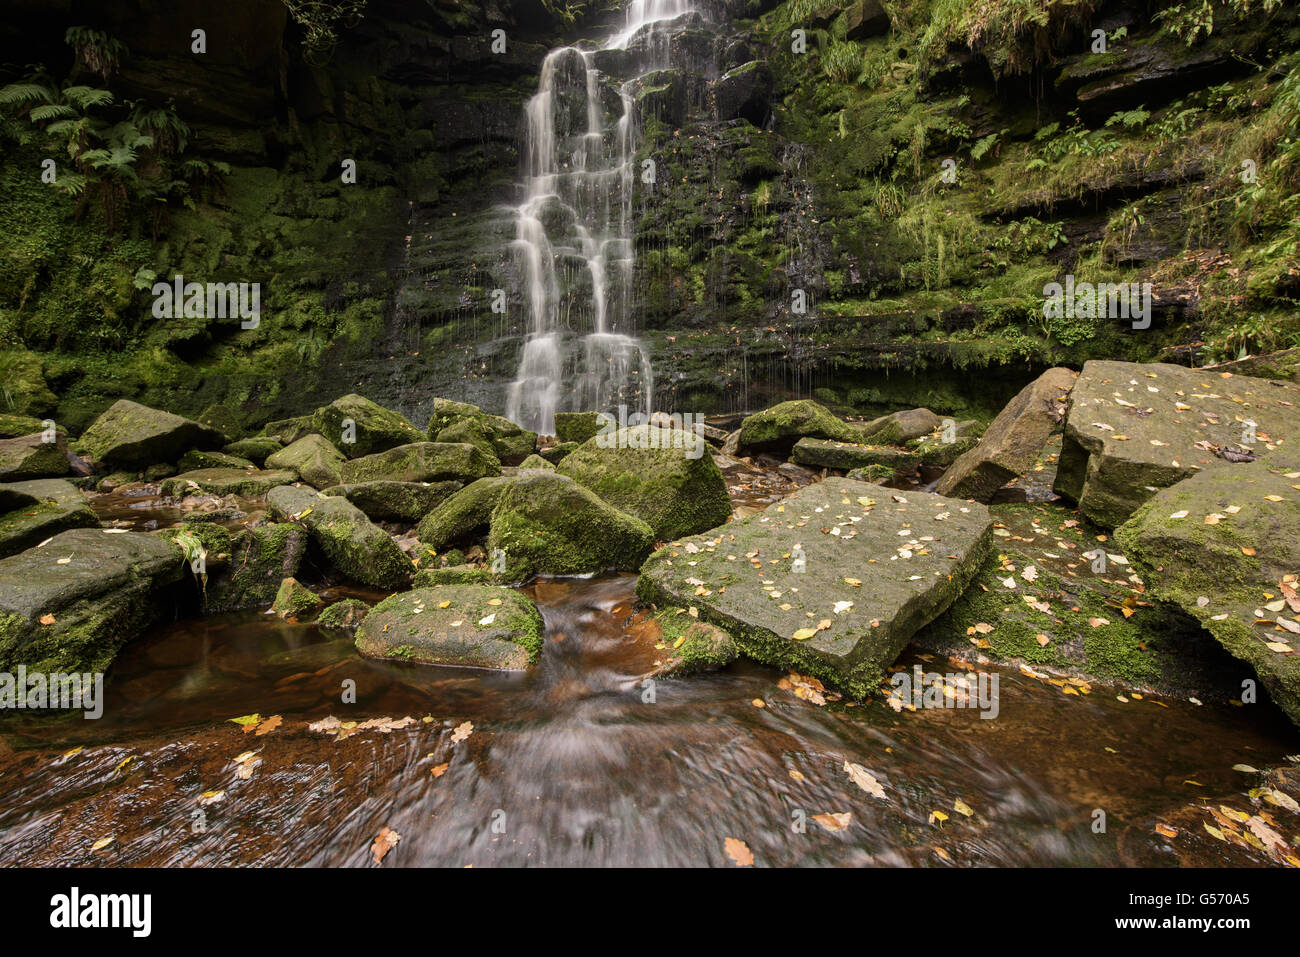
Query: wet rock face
column 31, row 512
column 1014, row 441
column 1133, row 429
column 745, row 92
column 1224, row 545
column 665, row 477
column 129, row 435
column 910, row 556
column 111, row 588
column 472, row 626
column 358, row 548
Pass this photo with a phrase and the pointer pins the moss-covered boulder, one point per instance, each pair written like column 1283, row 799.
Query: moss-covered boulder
column 777, row 429
column 898, row 428
column 494, row 434
column 858, row 570
column 359, row 427
column 295, row 600
column 1014, row 441
column 32, row 457
column 1224, row 545
column 550, row 525
column 556, row 453
column 288, row 431
column 256, row 449
column 343, row 615
column 871, row 473
column 260, row 558
column 130, row 435
column 576, row 426
column 421, row 462
column 31, row 512
column 456, row 575
column 826, row 453
column 691, row 646
column 12, row 426
column 665, row 477
column 1133, row 429
column 396, row 501
column 313, row 458
column 354, row 545
column 250, row 482
column 447, row 411
column 471, row 626
column 74, row 615
column 462, row 515
column 535, row 461
column 196, row 459
column 941, row 449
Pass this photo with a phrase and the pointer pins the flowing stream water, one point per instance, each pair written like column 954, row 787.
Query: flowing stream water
column 573, row 238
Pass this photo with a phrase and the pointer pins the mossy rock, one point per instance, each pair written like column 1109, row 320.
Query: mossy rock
column 256, row 449
column 937, row 452
column 112, row 588
column 665, row 477
column 421, row 462
column 196, row 459
column 313, row 459
column 157, row 471
column 13, row 426
column 31, row 457
column 396, row 501
column 288, row 431
column 343, row 615
column 535, row 461
column 131, row 435
column 898, row 428
column 249, row 483
column 480, row 627
column 777, row 429
column 351, row 542
column 295, row 600
column 872, row 473
column 447, row 411
column 550, row 525
column 463, row 515
column 825, row 453
column 692, row 646
column 556, row 453
column 373, row 428
column 577, row 426
column 470, row 432
column 494, row 434
column 32, row 511
column 455, row 575
column 786, row 615
column 1223, row 573
column 260, row 558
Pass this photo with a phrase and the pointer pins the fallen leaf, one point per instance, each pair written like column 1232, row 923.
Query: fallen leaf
column 739, row 852
column 385, row 841
column 865, row 780
column 833, row 822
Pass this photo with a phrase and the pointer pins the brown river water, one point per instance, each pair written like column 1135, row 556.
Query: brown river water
column 582, row 762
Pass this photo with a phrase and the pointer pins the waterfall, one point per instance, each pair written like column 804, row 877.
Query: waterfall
column 573, row 237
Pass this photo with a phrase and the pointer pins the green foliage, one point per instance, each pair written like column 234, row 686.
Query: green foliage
column 320, row 21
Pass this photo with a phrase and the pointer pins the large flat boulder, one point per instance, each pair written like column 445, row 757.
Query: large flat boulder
column 777, row 429
column 357, row 547
column 548, row 524
column 421, row 462
column 250, row 483
column 32, row 457
column 31, row 512
column 396, row 501
column 827, row 453
column 312, row 458
column 878, row 565
column 1014, row 441
column 132, row 436
column 360, row 427
column 1133, row 429
column 1225, row 546
column 471, row 626
column 665, row 477
column 110, row 588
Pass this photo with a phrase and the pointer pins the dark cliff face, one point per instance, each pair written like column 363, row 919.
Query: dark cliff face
column 797, row 237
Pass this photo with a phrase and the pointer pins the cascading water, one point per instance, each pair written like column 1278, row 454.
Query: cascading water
column 573, row 238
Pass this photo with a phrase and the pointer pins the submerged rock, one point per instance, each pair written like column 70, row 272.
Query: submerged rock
column 665, row 477
column 313, row 458
column 479, row 627
column 31, row 457
column 824, row 453
column 130, row 435
column 31, row 512
column 111, row 588
column 396, row 501
column 251, row 482
column 1014, row 441
column 361, row 550
column 1224, row 545
column 548, row 524
column 777, row 429
column 370, row 427
column 421, row 462
column 1133, row 429
column 877, row 566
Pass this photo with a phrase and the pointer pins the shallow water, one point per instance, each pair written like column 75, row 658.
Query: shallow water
column 583, row 762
